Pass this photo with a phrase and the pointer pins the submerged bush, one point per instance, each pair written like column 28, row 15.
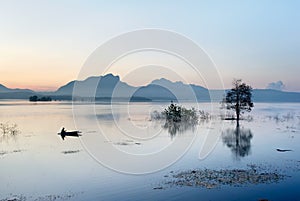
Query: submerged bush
column 177, row 118
column 177, row 113
column 204, row 115
column 9, row 129
column 158, row 115
column 173, row 112
column 189, row 115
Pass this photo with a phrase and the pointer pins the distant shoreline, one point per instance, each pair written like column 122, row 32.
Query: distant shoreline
column 104, row 100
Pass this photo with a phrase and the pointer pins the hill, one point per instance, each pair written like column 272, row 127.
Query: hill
column 104, row 88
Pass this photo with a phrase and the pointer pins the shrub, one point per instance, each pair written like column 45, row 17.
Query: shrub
column 176, row 113
column 9, row 129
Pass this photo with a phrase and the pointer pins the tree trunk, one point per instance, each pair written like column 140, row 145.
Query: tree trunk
column 237, row 108
column 237, row 117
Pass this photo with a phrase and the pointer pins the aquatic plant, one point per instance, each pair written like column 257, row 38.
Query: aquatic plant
column 177, row 118
column 204, row 115
column 9, row 129
column 210, row 178
column 173, row 112
column 155, row 115
column 177, row 113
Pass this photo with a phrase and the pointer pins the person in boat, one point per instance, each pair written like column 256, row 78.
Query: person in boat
column 63, row 133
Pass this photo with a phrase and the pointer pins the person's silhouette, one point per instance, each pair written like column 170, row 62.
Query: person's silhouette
column 63, row 133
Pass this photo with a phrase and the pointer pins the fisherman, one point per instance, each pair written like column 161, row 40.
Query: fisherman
column 63, row 133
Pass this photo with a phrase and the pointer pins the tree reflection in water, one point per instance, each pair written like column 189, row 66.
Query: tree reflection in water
column 179, row 127
column 238, row 140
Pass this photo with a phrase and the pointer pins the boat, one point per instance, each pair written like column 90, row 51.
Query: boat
column 64, row 133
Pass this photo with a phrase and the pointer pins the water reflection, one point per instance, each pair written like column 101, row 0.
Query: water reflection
column 108, row 117
column 179, row 127
column 238, row 140
column 7, row 138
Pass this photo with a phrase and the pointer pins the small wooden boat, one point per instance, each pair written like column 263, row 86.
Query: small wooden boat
column 64, row 133
column 284, row 150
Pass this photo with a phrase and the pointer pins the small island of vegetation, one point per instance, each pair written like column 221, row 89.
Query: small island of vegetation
column 176, row 114
column 36, row 98
column 177, row 119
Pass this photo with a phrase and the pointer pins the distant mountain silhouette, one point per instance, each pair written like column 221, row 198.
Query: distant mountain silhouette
column 7, row 93
column 163, row 89
column 158, row 90
column 16, row 95
column 105, row 87
column 271, row 95
column 4, row 89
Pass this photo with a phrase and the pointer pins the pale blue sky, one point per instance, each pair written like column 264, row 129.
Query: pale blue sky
column 45, row 43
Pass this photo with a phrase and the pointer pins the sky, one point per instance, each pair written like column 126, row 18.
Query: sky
column 44, row 44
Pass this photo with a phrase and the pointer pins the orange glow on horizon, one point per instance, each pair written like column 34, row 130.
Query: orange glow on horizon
column 31, row 86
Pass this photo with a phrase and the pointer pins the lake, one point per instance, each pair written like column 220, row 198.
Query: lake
column 125, row 155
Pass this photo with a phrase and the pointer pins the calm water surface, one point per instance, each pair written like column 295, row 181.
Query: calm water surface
column 37, row 162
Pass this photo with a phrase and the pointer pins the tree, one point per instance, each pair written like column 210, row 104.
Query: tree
column 33, row 98
column 173, row 112
column 36, row 98
column 239, row 99
column 177, row 113
column 178, row 118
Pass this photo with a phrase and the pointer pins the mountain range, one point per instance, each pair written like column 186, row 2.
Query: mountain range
column 110, row 87
column 7, row 93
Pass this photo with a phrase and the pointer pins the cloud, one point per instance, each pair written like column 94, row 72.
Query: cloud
column 276, row 85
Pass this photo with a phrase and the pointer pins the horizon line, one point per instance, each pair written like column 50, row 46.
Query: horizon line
column 48, row 89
